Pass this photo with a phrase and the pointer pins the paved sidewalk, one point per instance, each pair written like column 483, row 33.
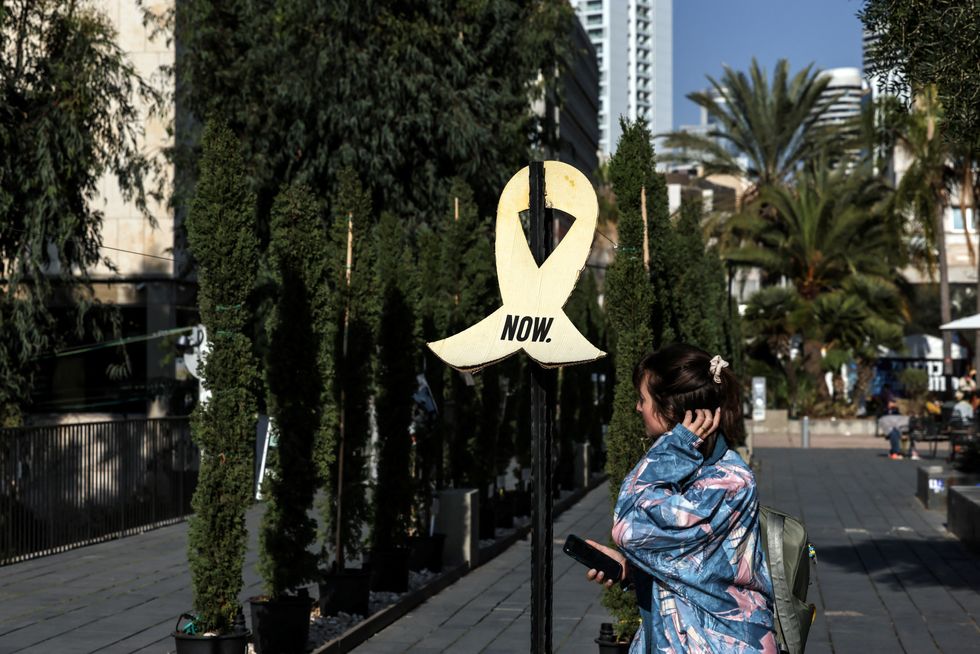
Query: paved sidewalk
column 118, row 597
column 489, row 609
column 889, row 578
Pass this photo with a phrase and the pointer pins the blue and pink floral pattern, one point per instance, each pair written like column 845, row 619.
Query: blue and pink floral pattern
column 690, row 530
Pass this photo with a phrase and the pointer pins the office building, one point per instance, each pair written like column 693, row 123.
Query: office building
column 633, row 43
column 842, row 96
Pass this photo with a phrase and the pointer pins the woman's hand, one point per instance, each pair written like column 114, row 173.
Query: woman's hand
column 703, row 423
column 596, row 575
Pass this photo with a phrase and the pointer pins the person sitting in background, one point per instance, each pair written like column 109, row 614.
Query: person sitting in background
column 893, row 424
column 933, row 408
column 962, row 410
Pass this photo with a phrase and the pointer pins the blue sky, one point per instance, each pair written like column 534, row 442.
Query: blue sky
column 709, row 34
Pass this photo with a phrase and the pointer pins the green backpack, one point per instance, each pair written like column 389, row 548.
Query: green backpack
column 788, row 552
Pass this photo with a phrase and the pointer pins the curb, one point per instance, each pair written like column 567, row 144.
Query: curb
column 383, row 618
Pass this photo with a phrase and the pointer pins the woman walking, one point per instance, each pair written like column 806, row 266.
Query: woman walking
column 687, row 516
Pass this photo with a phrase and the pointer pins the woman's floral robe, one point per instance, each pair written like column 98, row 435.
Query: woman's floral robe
column 690, row 530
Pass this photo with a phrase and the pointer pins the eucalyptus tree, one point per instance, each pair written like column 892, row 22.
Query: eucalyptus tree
column 934, row 45
column 69, row 114
column 762, row 131
column 409, row 94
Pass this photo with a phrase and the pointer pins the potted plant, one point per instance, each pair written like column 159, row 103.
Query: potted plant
column 222, row 236
column 342, row 301
column 631, row 303
column 611, row 637
column 426, row 546
column 394, row 383
column 281, row 617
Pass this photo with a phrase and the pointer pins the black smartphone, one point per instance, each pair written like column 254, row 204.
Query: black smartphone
column 590, row 557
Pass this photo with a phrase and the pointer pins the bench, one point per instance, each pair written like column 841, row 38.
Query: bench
column 927, row 430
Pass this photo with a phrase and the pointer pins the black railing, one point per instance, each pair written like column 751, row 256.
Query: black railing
column 70, row 485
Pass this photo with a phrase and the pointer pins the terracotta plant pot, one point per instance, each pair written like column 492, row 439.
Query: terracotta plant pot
column 345, row 592
column 281, row 625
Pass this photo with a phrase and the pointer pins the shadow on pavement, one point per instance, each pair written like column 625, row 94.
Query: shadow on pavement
column 904, row 562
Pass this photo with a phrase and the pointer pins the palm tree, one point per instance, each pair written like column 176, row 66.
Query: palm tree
column 762, row 132
column 830, row 231
column 924, row 192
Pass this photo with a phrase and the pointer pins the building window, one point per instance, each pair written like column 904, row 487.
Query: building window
column 958, row 218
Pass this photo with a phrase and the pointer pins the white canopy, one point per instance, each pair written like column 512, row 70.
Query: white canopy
column 970, row 322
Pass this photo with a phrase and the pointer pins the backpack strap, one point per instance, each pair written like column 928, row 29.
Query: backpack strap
column 780, row 585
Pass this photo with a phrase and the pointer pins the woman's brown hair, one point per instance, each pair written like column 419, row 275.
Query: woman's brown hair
column 679, row 379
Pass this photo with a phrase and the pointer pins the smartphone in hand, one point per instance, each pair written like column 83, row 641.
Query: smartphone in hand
column 590, row 557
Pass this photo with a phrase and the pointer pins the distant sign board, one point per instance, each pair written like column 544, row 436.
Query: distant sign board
column 758, row 398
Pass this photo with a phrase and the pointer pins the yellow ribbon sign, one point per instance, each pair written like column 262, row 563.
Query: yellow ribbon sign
column 531, row 318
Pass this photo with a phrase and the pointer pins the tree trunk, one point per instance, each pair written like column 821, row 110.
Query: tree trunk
column 944, row 303
column 812, row 358
column 865, row 374
column 972, row 163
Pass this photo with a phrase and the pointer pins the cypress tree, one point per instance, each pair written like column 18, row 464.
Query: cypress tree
column 429, row 432
column 578, row 415
column 630, row 301
column 349, row 362
column 395, row 383
column 469, row 293
column 666, row 258
column 699, row 295
column 222, row 237
column 294, row 392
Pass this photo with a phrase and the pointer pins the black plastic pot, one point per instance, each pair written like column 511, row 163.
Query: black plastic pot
column 426, row 552
column 607, row 641
column 503, row 507
column 389, row 569
column 522, row 502
column 281, row 625
column 234, row 643
column 488, row 522
column 345, row 592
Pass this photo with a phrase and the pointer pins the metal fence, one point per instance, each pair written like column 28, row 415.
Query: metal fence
column 70, row 485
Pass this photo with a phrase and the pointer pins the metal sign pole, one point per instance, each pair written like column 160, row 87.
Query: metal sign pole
column 542, row 422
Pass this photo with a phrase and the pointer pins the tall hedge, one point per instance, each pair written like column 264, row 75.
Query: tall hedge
column 395, row 384
column 294, row 392
column 630, row 302
column 222, row 236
